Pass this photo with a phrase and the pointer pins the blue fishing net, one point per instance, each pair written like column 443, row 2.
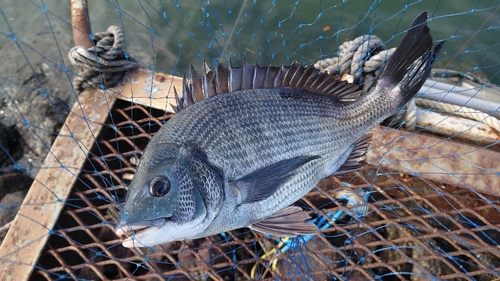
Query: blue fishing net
column 426, row 207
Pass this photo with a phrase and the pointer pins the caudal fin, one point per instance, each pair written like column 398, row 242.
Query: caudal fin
column 410, row 65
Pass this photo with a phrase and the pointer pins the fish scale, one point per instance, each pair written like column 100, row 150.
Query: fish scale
column 246, row 143
column 312, row 137
column 303, row 136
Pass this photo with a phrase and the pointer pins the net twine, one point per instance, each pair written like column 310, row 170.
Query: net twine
column 104, row 64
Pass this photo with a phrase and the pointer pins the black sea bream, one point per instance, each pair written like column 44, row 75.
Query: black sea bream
column 248, row 142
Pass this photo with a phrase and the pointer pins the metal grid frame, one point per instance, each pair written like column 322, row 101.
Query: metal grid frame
column 397, row 240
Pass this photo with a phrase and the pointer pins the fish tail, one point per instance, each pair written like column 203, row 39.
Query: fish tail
column 411, row 63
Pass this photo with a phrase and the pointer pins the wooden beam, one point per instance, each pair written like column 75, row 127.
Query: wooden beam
column 153, row 89
column 40, row 210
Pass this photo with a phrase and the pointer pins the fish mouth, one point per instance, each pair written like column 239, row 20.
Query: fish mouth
column 129, row 230
column 134, row 232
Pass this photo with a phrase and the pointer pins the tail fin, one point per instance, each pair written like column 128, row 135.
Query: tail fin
column 412, row 61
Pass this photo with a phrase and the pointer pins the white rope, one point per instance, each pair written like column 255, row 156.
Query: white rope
column 461, row 111
column 411, row 117
column 361, row 58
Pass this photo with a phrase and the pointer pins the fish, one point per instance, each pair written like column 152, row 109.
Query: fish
column 247, row 142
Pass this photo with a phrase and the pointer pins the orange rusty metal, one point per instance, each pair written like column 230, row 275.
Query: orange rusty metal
column 80, row 21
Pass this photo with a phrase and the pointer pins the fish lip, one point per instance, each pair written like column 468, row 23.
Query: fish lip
column 124, row 228
column 140, row 231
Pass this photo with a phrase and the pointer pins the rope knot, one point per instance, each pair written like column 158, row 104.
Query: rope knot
column 104, row 64
column 361, row 58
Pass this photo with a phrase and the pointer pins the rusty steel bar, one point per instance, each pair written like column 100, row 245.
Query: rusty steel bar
column 80, row 21
column 436, row 158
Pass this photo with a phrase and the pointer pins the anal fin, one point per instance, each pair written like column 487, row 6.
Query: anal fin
column 357, row 158
column 288, row 222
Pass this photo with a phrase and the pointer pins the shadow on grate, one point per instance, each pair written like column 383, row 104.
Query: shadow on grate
column 414, row 228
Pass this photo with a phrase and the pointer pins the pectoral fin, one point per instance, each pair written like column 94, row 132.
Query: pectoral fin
column 265, row 181
column 286, row 223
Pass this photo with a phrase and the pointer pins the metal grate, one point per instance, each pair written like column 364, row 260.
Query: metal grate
column 414, row 229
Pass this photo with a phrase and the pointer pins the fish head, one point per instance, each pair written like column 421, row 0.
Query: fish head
column 167, row 200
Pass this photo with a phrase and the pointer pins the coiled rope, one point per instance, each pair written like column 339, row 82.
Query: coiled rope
column 365, row 55
column 466, row 112
column 104, row 64
column 361, row 58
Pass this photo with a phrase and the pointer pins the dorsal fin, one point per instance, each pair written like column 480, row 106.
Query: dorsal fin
column 224, row 80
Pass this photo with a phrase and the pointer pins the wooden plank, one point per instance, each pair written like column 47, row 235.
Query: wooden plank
column 40, row 210
column 436, row 158
column 153, row 89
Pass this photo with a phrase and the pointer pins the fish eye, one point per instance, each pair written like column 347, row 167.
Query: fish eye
column 159, row 186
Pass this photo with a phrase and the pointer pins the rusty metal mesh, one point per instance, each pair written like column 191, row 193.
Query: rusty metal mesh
column 414, row 229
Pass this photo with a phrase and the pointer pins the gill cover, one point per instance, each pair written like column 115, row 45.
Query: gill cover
column 159, row 160
column 193, row 186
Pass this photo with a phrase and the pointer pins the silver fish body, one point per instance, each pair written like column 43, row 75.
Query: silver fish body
column 259, row 139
